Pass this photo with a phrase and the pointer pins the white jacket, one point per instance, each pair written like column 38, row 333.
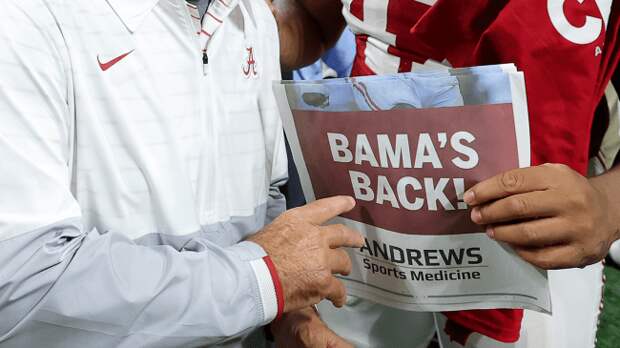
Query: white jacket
column 131, row 172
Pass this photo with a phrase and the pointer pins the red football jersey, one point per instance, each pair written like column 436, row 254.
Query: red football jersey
column 568, row 50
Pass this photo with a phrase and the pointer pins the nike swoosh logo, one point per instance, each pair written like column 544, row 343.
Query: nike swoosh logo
column 107, row 65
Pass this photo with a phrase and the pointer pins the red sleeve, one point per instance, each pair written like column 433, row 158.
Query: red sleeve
column 567, row 66
column 503, row 325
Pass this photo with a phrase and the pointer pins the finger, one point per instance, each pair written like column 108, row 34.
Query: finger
column 517, row 207
column 335, row 341
column 323, row 210
column 554, row 257
column 508, row 183
column 336, row 293
column 534, row 233
column 342, row 236
column 339, row 262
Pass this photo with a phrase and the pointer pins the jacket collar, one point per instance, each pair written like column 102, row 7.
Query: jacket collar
column 132, row 12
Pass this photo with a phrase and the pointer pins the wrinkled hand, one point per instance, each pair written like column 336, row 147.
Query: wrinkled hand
column 306, row 255
column 552, row 216
column 304, row 329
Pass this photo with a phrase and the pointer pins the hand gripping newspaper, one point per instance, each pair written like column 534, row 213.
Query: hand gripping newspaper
column 407, row 147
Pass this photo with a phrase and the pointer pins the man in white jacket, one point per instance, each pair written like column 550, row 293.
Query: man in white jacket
column 140, row 147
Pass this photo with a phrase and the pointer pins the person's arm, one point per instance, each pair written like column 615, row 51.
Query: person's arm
column 307, row 29
column 551, row 215
column 62, row 285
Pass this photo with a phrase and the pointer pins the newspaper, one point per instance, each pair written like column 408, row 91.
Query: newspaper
column 407, row 147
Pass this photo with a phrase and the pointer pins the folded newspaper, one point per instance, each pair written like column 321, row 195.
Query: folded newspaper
column 407, row 147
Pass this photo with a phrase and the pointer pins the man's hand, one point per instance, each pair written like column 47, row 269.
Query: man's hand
column 552, row 216
column 306, row 255
column 303, row 328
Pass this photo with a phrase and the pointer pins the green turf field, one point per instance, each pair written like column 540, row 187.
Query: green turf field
column 609, row 329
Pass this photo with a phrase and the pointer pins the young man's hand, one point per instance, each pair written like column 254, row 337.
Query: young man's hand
column 307, row 254
column 552, row 216
column 304, row 328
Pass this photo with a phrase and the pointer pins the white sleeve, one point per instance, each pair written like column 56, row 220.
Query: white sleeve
column 63, row 286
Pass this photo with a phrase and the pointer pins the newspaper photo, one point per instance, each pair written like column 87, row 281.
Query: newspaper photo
column 407, row 147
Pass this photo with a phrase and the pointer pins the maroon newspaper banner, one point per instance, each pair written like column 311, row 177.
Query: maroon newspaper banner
column 408, row 168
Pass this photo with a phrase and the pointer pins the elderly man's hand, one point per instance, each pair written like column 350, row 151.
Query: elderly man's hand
column 304, row 329
column 552, row 216
column 306, row 254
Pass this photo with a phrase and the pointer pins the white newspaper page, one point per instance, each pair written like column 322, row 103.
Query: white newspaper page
column 407, row 147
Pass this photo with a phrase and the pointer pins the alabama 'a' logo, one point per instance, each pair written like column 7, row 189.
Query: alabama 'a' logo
column 591, row 27
column 249, row 68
